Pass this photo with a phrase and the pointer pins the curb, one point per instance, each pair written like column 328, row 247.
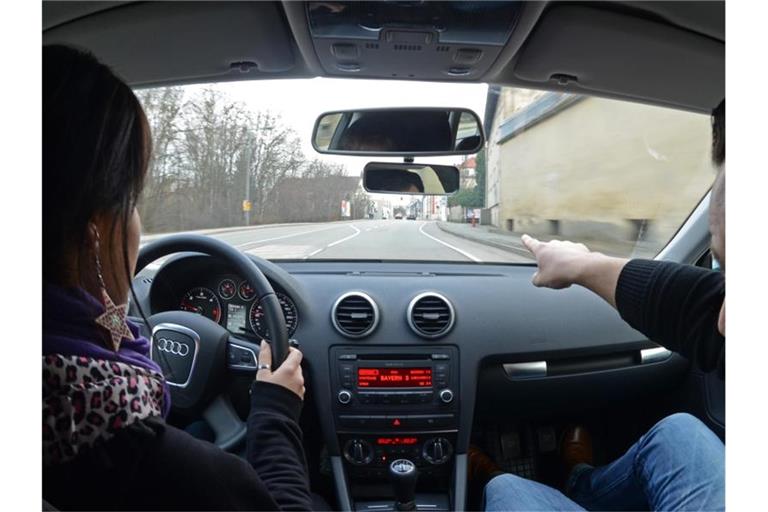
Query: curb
column 504, row 247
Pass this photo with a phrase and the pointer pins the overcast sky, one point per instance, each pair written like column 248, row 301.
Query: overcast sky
column 301, row 101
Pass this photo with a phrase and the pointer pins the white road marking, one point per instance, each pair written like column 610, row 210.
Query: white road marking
column 353, row 235
column 337, row 242
column 460, row 251
column 269, row 251
column 314, row 252
column 281, row 251
column 255, row 242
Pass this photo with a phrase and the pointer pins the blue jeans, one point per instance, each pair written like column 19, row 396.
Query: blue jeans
column 678, row 465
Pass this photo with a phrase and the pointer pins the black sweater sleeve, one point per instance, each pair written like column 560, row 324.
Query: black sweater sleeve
column 274, row 447
column 153, row 466
column 676, row 306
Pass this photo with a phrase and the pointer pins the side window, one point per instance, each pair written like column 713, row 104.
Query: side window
column 707, row 261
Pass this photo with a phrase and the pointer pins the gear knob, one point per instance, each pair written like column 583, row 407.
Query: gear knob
column 404, row 475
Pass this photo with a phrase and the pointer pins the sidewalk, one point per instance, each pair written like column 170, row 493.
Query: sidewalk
column 509, row 241
column 488, row 235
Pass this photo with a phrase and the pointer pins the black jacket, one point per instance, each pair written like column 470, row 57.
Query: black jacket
column 154, row 466
column 676, row 306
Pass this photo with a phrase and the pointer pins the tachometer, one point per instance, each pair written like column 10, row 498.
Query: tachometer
column 227, row 289
column 290, row 313
column 203, row 302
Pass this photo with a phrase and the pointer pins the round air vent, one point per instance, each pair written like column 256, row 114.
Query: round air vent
column 430, row 315
column 355, row 314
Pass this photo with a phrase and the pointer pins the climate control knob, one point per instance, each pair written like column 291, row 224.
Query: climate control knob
column 437, row 450
column 446, row 396
column 344, row 397
column 358, row 452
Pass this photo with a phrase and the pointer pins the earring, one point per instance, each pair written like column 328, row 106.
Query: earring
column 113, row 318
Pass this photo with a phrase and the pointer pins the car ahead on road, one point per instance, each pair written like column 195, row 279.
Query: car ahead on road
column 411, row 216
column 418, row 338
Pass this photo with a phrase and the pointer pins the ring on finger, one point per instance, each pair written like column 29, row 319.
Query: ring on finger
column 263, row 367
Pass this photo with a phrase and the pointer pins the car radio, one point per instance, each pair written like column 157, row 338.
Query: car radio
column 412, row 388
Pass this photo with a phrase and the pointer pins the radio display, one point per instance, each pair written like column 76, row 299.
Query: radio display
column 394, row 377
column 396, row 441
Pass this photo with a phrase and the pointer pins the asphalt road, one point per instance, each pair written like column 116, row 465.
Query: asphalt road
column 363, row 239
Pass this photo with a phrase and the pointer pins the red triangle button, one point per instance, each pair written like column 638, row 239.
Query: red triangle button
column 396, row 422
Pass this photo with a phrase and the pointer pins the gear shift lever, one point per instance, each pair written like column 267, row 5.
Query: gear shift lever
column 404, row 474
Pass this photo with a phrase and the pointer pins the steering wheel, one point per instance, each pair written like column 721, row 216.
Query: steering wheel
column 195, row 352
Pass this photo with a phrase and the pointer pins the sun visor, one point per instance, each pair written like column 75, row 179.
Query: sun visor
column 585, row 49
column 134, row 39
column 421, row 40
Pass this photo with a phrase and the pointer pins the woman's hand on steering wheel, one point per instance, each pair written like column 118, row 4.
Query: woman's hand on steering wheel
column 287, row 375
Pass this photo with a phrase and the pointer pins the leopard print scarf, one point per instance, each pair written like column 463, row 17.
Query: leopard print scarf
column 86, row 401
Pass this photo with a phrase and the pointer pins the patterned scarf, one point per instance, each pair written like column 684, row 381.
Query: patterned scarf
column 86, row 401
column 69, row 329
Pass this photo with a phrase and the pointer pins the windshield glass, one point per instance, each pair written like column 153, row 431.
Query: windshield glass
column 235, row 161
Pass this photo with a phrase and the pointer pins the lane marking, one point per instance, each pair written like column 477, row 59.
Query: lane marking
column 256, row 242
column 314, row 252
column 337, row 242
column 279, row 251
column 460, row 251
column 353, row 235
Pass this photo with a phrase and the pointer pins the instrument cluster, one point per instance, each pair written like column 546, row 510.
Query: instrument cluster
column 232, row 303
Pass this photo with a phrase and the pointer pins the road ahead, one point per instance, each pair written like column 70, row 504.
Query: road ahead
column 363, row 239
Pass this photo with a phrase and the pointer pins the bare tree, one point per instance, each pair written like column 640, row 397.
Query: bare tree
column 207, row 147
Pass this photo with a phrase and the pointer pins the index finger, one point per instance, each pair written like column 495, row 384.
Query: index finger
column 530, row 243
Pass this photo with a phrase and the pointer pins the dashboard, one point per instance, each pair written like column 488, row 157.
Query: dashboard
column 499, row 324
column 400, row 358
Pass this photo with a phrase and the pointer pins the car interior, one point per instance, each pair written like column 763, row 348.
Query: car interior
column 416, row 359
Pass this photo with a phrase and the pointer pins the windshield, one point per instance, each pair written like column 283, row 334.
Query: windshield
column 235, row 161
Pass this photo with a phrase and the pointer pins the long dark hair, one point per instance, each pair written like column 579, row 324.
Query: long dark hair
column 96, row 150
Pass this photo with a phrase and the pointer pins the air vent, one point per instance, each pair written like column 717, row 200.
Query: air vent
column 430, row 315
column 355, row 315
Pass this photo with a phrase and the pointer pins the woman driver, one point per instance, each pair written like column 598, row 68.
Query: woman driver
column 105, row 442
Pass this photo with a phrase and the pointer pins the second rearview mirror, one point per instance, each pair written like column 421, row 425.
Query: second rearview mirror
column 407, row 178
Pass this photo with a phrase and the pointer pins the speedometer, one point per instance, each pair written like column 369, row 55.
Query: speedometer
column 259, row 325
column 203, row 302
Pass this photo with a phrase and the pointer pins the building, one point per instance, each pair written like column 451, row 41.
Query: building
column 576, row 166
column 467, row 170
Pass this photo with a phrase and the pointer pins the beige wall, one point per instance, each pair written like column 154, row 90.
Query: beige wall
column 600, row 161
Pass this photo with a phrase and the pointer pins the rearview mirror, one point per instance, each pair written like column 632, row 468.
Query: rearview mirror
column 395, row 178
column 399, row 132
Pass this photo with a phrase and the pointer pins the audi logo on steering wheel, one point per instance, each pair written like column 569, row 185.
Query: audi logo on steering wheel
column 172, row 347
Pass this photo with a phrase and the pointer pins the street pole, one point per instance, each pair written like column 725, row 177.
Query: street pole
column 247, row 182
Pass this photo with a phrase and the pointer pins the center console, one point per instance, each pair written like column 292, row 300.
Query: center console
column 392, row 405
